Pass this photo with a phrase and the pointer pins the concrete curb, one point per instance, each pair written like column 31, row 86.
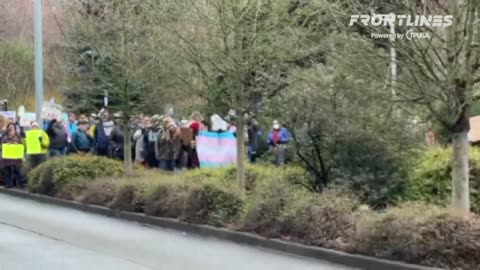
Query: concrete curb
column 336, row 257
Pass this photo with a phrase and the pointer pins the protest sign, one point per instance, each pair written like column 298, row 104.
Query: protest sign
column 51, row 111
column 13, row 151
column 9, row 114
column 216, row 150
column 27, row 118
column 186, row 135
column 33, row 142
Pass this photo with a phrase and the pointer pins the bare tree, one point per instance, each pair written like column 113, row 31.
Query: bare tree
column 439, row 72
column 236, row 54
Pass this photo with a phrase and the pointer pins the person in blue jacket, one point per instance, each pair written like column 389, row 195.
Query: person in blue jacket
column 278, row 140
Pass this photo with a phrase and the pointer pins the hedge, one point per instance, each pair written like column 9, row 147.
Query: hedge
column 431, row 179
column 276, row 207
column 57, row 173
column 421, row 234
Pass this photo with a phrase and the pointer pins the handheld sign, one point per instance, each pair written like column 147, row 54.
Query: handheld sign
column 186, row 135
column 33, row 142
column 13, row 151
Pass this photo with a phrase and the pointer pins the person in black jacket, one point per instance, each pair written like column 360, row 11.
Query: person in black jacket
column 116, row 142
column 102, row 135
column 151, row 135
column 254, row 138
column 58, row 138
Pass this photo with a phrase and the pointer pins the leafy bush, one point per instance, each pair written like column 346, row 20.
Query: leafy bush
column 131, row 194
column 253, row 174
column 166, row 199
column 420, row 234
column 331, row 217
column 99, row 192
column 431, row 179
column 206, row 202
column 212, row 203
column 50, row 177
column 278, row 209
column 73, row 190
column 265, row 205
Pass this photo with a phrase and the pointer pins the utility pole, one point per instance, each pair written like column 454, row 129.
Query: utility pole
column 393, row 60
column 38, row 62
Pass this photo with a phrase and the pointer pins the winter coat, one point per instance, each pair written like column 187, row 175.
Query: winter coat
column 116, row 142
column 102, row 137
column 139, row 145
column 81, row 141
column 168, row 145
column 58, row 137
column 284, row 137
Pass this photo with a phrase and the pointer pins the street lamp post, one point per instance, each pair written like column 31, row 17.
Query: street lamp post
column 38, row 62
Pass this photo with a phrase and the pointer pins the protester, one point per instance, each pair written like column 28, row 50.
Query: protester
column 152, row 132
column 12, row 166
column 277, row 140
column 102, row 134
column 58, row 139
column 254, row 137
column 71, row 125
column 82, row 142
column 186, row 142
column 196, row 126
column 18, row 127
column 37, row 159
column 139, row 141
column 117, row 138
column 168, row 145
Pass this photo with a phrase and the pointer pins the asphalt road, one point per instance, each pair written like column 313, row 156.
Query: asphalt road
column 42, row 237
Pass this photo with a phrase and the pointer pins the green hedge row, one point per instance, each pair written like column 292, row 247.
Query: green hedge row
column 275, row 206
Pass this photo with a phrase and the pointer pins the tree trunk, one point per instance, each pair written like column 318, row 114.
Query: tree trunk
column 127, row 150
column 240, row 155
column 460, row 174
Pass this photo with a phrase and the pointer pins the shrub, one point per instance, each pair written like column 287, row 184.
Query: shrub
column 73, row 190
column 265, row 206
column 327, row 220
column 205, row 202
column 50, row 177
column 166, row 199
column 131, row 195
column 431, row 179
column 253, row 174
column 212, row 203
column 420, row 234
column 99, row 192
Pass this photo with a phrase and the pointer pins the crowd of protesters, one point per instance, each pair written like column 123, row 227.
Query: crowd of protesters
column 157, row 141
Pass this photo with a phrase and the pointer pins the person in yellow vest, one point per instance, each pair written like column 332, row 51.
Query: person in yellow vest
column 37, row 159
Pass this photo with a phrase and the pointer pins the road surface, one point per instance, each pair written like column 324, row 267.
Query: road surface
column 42, row 237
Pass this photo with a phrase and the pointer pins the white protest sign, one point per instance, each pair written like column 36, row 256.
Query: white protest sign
column 51, row 111
column 9, row 114
column 27, row 118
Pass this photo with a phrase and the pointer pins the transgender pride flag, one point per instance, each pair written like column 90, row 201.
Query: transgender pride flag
column 216, row 150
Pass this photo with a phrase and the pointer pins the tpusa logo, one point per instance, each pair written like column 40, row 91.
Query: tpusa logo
column 391, row 20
